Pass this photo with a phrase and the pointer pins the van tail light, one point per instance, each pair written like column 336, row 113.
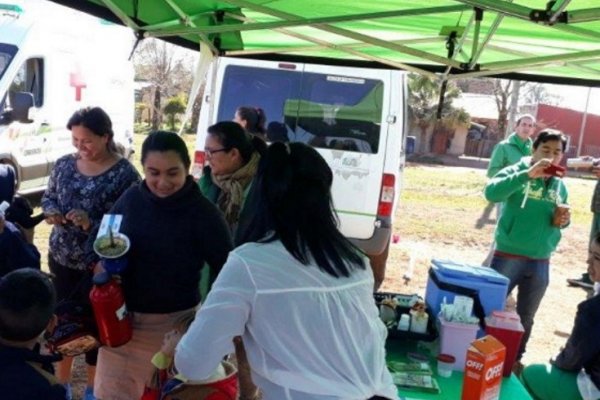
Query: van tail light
column 199, row 160
column 386, row 199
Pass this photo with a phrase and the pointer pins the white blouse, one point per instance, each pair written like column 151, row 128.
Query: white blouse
column 308, row 335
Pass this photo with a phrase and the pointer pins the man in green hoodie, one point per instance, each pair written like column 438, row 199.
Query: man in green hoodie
column 527, row 233
column 516, row 146
column 509, row 152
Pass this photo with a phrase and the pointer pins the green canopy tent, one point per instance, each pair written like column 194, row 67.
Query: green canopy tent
column 536, row 40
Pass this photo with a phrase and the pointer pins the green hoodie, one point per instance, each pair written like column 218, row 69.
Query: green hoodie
column 525, row 226
column 508, row 152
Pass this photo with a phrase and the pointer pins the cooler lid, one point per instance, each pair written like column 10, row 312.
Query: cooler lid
column 452, row 269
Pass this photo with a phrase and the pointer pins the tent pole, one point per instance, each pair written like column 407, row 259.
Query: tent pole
column 293, row 22
column 121, row 15
column 348, row 34
column 493, row 28
column 583, row 122
column 557, row 8
column 356, row 53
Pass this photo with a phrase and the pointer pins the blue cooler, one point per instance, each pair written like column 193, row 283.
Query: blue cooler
column 486, row 287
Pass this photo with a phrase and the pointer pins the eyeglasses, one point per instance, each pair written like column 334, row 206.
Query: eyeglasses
column 210, row 152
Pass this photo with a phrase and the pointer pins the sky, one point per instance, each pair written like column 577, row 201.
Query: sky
column 574, row 97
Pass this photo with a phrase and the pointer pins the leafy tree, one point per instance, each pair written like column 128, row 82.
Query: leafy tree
column 423, row 100
column 536, row 93
column 502, row 93
column 169, row 70
column 174, row 106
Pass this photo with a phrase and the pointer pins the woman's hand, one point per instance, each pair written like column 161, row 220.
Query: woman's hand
column 537, row 169
column 170, row 341
column 79, row 218
column 55, row 218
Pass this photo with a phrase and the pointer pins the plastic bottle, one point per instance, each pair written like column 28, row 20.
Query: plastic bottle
column 108, row 302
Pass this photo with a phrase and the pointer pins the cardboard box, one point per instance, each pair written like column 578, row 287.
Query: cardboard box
column 483, row 369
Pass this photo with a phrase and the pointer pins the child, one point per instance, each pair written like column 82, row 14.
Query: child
column 166, row 382
column 27, row 301
column 15, row 251
column 20, row 211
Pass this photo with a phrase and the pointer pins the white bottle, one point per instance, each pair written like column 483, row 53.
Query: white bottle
column 3, row 207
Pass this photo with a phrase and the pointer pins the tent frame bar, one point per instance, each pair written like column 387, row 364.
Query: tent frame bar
column 288, row 23
column 350, row 34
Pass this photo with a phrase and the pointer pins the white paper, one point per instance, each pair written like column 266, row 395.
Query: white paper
column 110, row 221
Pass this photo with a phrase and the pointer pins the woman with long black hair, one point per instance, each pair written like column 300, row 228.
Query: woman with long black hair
column 299, row 294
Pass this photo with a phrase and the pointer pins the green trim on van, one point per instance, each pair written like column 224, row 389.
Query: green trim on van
column 355, row 213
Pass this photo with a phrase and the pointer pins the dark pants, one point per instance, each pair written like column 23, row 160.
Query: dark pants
column 532, row 277
column 73, row 284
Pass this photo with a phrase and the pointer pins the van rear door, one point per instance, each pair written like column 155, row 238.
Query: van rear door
column 338, row 110
column 344, row 109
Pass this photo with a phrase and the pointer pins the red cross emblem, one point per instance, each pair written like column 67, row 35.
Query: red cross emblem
column 77, row 81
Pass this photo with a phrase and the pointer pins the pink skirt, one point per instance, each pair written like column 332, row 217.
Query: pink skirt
column 122, row 372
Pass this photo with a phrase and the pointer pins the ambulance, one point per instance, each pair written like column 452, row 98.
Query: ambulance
column 53, row 61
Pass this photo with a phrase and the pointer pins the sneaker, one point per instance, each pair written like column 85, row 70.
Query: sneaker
column 583, row 282
column 69, row 389
column 89, row 394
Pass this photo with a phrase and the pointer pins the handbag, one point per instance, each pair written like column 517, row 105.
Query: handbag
column 75, row 332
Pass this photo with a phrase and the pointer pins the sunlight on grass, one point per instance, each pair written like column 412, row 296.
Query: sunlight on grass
column 448, row 202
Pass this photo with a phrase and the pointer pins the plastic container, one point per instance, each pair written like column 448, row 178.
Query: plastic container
column 449, row 279
column 445, row 365
column 114, row 323
column 404, row 322
column 455, row 339
column 507, row 328
column 394, row 332
column 115, row 262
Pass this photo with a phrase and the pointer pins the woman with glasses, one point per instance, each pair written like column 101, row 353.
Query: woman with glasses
column 233, row 157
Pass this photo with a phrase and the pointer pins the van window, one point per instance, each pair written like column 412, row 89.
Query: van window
column 30, row 79
column 325, row 111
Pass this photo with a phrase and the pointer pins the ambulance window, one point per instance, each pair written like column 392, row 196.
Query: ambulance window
column 30, row 79
column 341, row 113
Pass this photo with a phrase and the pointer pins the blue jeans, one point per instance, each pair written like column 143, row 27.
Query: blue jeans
column 532, row 277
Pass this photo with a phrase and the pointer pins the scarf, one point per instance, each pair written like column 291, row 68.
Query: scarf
column 232, row 187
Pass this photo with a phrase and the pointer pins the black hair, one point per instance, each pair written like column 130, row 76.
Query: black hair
column 549, row 135
column 27, row 301
column 97, row 121
column 163, row 141
column 231, row 135
column 255, row 119
column 296, row 207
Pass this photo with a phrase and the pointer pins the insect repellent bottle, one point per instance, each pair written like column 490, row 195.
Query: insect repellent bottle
column 108, row 302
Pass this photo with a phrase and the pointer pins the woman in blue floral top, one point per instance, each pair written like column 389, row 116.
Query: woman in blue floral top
column 83, row 186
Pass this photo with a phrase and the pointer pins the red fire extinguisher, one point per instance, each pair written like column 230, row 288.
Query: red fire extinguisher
column 108, row 302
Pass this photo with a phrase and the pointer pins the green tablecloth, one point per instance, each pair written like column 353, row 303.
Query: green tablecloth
column 450, row 388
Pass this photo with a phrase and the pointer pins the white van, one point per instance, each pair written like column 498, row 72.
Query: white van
column 53, row 61
column 354, row 117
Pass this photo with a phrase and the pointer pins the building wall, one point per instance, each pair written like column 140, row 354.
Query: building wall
column 570, row 121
